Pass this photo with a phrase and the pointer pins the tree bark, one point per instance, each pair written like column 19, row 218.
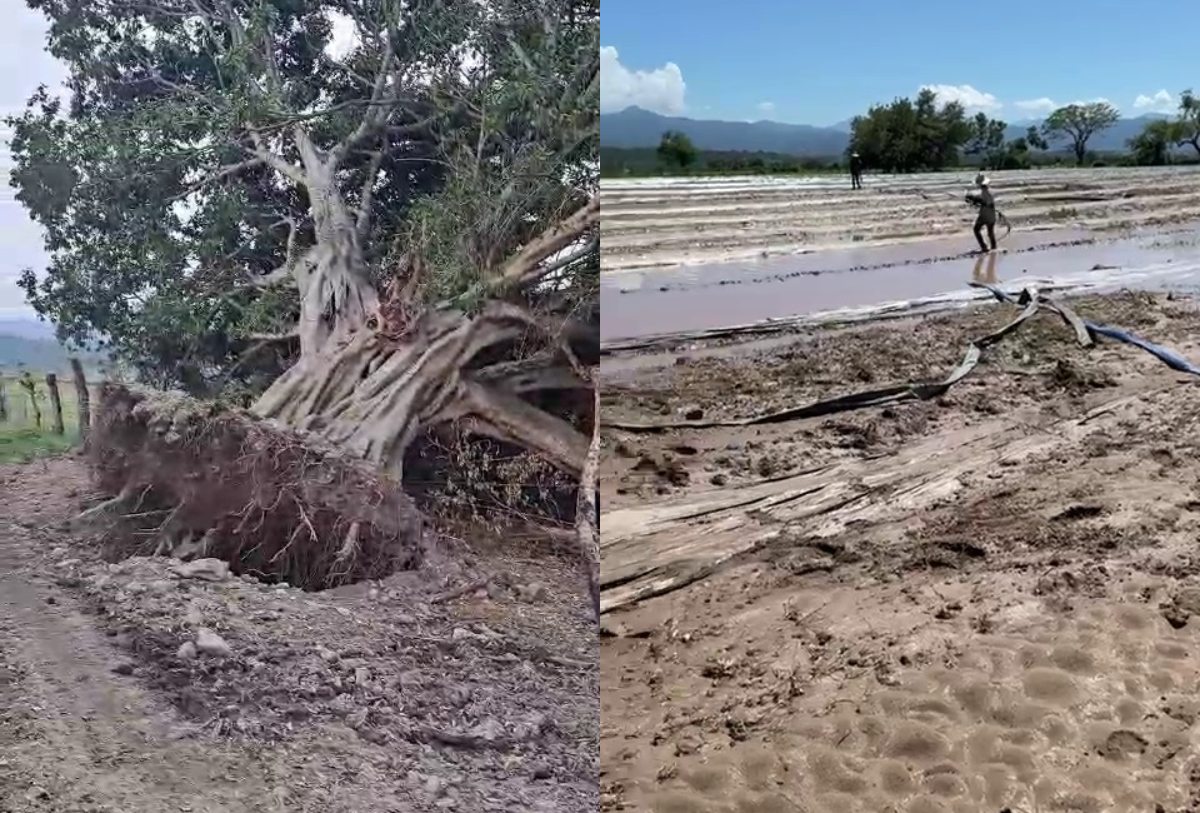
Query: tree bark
column 84, row 398
column 371, row 393
column 55, row 404
column 587, row 510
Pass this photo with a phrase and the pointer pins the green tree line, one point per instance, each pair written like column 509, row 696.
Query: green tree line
column 915, row 135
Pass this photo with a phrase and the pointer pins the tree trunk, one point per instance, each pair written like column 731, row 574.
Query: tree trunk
column 3, row 402
column 372, row 393
column 84, row 398
column 55, row 403
column 587, row 511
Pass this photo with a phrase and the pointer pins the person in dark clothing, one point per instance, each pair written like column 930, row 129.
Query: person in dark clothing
column 987, row 212
column 855, row 171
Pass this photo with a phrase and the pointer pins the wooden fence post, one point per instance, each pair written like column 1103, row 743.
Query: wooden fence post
column 84, row 397
column 55, row 402
column 3, row 402
column 30, row 387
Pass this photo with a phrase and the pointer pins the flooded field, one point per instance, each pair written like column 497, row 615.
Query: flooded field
column 684, row 255
column 669, row 222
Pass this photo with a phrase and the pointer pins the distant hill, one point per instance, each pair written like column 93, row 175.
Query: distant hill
column 38, row 355
column 1113, row 139
column 634, row 127
column 26, row 328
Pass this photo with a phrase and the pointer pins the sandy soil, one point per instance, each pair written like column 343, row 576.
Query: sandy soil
column 666, row 222
column 390, row 696
column 985, row 602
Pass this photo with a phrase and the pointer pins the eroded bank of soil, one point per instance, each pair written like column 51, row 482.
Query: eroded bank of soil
column 987, row 601
column 371, row 698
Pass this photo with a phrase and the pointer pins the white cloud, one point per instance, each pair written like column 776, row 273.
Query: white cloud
column 343, row 38
column 660, row 90
column 1039, row 105
column 1161, row 102
column 972, row 99
column 766, row 108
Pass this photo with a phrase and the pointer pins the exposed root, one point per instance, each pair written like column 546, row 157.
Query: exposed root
column 110, row 506
column 373, row 396
column 269, row 501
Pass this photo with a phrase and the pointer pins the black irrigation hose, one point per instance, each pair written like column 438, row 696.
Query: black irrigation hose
column 1084, row 330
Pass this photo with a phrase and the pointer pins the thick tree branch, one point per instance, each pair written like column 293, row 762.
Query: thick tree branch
column 537, row 379
column 523, row 268
column 220, row 175
column 374, row 117
column 363, row 223
column 587, row 509
column 507, row 417
column 285, row 168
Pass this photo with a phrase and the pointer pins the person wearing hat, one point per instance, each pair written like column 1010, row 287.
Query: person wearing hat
column 987, row 212
column 855, row 171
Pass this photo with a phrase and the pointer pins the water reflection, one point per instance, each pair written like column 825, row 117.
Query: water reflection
column 736, row 294
column 986, row 275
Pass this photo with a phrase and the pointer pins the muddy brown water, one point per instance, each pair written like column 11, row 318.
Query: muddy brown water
column 855, row 282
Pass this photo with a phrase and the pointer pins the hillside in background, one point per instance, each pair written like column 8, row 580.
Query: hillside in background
column 24, row 345
column 634, row 127
column 26, row 328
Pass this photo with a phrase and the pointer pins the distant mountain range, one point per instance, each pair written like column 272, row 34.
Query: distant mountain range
column 30, row 344
column 31, row 328
column 635, row 127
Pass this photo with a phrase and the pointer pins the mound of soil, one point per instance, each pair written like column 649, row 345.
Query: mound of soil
column 222, row 483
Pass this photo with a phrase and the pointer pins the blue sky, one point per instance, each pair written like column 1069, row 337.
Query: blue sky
column 820, row 63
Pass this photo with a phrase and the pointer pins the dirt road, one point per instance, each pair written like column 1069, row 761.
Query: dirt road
column 371, row 698
column 983, row 602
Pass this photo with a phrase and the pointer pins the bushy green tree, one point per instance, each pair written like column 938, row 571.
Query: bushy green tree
column 986, row 139
column 1152, row 146
column 908, row 136
column 385, row 223
column 677, row 150
column 1034, row 140
column 1187, row 129
column 1077, row 123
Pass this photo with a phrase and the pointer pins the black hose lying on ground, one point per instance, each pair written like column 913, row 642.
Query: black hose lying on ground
column 1085, row 332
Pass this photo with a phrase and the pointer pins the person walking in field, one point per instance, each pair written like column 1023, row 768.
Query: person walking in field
column 987, row 212
column 855, row 171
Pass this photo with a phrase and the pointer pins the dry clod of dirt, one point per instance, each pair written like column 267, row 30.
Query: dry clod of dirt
column 209, row 643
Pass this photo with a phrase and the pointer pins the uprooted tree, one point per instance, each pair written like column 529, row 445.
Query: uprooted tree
column 370, row 217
